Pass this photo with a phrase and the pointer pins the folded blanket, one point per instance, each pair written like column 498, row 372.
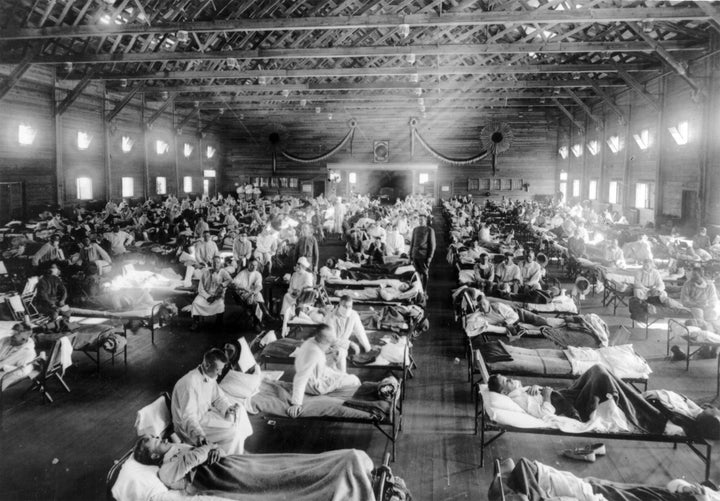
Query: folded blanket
column 366, row 399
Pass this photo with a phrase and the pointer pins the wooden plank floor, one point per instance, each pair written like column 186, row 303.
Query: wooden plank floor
column 63, row 451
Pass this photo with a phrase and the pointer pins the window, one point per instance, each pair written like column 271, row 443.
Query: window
column 161, row 147
column 680, row 133
column 593, row 147
column 187, row 184
column 424, row 177
column 614, row 192
column 576, row 188
column 83, row 140
column 644, row 195
column 643, row 139
column 592, row 189
column 187, row 150
column 83, row 186
column 563, row 176
column 473, row 184
column 161, row 185
column 563, row 190
column 495, row 184
column 209, row 173
column 293, row 182
column 206, row 187
column 563, row 152
column 127, row 144
column 210, row 152
column 128, row 187
column 614, row 144
column 26, row 135
column 577, row 150
column 352, row 178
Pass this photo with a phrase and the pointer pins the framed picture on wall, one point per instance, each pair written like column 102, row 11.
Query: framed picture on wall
column 264, row 182
column 283, row 182
column 495, row 184
column 507, row 184
column 484, row 184
column 293, row 182
column 473, row 184
column 517, row 184
column 307, row 188
column 274, row 182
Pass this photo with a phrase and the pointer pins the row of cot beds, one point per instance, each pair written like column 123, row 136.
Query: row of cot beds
column 558, row 353
column 390, row 326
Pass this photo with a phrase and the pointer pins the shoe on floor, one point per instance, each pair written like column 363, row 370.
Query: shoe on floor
column 677, row 353
column 579, row 455
column 598, row 449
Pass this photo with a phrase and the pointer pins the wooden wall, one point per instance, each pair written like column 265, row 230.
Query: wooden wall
column 530, row 158
column 670, row 167
column 50, row 167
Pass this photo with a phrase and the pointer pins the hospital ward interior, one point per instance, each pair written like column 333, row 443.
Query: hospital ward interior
column 359, row 250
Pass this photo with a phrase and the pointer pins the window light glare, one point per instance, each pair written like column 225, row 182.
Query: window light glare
column 187, row 150
column 83, row 140
column 127, row 144
column 161, row 185
column 128, row 187
column 642, row 139
column 209, row 173
column 210, row 152
column 83, row 186
column 563, row 176
column 680, row 133
column 424, row 178
column 563, row 152
column 105, row 19
column 26, row 134
column 593, row 147
column 577, row 150
column 187, row 184
column 613, row 143
column 352, row 178
column 161, row 147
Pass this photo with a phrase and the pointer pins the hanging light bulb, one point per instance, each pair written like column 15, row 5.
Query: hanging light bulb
column 262, row 80
column 123, row 83
column 404, row 30
column 303, row 102
column 411, row 58
column 329, row 116
column 285, row 93
column 414, row 78
column 68, row 67
column 318, row 110
column 418, row 91
column 182, row 36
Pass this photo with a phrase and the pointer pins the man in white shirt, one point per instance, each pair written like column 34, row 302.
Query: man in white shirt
column 300, row 280
column 118, row 241
column 49, row 252
column 648, row 282
column 394, row 242
column 210, row 300
column 508, row 275
column 202, row 413
column 346, row 323
column 532, row 272
column 312, row 374
column 248, row 286
column 206, row 250
column 16, row 351
column 242, row 248
column 265, row 248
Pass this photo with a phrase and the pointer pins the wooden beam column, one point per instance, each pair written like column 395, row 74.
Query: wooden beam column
column 59, row 170
column 662, row 86
column 146, row 163
column 106, row 146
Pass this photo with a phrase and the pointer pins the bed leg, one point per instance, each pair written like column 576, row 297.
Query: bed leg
column 717, row 387
column 482, row 445
column 152, row 332
column 674, row 445
column 708, row 461
column 687, row 359
column 477, row 405
column 125, row 355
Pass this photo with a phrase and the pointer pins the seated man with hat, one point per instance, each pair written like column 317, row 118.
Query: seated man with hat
column 210, row 300
column 301, row 279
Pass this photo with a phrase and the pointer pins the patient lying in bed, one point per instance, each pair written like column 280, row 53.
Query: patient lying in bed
column 582, row 398
column 334, row 476
column 535, row 481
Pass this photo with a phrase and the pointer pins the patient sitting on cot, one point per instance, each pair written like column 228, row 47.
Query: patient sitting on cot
column 501, row 318
column 582, row 397
column 334, row 475
column 313, row 375
column 16, row 351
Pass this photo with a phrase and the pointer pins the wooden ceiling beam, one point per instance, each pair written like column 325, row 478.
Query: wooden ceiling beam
column 74, row 93
column 477, row 18
column 194, row 113
column 492, row 69
column 369, row 86
column 367, row 51
column 584, row 106
column 18, row 72
column 158, row 113
column 678, row 66
column 640, row 89
column 606, row 99
column 568, row 114
column 125, row 101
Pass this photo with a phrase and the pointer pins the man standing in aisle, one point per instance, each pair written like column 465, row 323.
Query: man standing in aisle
column 422, row 249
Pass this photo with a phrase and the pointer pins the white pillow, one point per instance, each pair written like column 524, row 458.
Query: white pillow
column 501, row 409
column 153, row 419
column 137, row 482
column 240, row 385
column 498, row 401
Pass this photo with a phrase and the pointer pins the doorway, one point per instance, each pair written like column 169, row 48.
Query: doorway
column 389, row 186
column 318, row 188
column 12, row 202
column 689, row 208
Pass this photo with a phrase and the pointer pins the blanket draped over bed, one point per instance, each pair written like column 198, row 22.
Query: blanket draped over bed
column 342, row 475
column 534, row 479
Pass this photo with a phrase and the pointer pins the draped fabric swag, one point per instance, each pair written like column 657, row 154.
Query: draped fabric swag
column 452, row 161
column 348, row 137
